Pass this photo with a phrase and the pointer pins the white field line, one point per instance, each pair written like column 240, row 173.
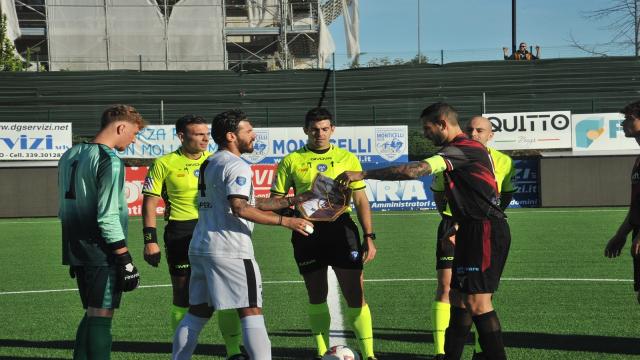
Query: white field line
column 337, row 331
column 281, row 282
column 374, row 213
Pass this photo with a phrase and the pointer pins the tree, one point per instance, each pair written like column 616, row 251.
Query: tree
column 419, row 146
column 386, row 61
column 623, row 19
column 9, row 61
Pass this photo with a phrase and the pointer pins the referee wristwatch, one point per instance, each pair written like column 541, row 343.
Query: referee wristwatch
column 371, row 236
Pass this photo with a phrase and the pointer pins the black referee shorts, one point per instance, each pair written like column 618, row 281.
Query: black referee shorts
column 335, row 243
column 444, row 249
column 481, row 251
column 177, row 237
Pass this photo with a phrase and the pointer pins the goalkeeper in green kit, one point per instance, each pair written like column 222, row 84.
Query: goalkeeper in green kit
column 94, row 216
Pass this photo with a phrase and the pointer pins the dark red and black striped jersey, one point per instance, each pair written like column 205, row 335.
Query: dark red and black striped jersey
column 634, row 208
column 470, row 183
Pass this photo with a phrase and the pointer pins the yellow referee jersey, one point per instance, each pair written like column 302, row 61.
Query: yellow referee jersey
column 299, row 169
column 174, row 177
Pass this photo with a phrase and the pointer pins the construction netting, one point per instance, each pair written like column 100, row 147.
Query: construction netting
column 135, row 34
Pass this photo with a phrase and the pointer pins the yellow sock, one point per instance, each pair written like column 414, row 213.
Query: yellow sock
column 477, row 348
column 320, row 321
column 360, row 319
column 440, row 314
column 231, row 330
column 177, row 313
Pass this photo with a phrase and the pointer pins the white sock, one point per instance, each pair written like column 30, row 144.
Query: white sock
column 255, row 338
column 185, row 338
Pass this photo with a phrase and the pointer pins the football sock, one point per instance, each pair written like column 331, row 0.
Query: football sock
column 456, row 333
column 80, row 346
column 229, row 324
column 477, row 348
column 99, row 338
column 185, row 338
column 360, row 319
column 177, row 313
column 490, row 335
column 440, row 314
column 320, row 321
column 256, row 340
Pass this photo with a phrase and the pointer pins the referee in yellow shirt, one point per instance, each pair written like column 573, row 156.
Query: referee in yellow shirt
column 336, row 243
column 479, row 129
column 174, row 178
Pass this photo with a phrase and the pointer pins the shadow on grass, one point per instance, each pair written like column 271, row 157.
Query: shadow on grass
column 523, row 340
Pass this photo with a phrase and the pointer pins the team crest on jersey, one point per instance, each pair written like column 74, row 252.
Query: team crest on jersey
column 322, row 167
column 241, row 180
column 260, row 147
column 391, row 142
column 196, row 172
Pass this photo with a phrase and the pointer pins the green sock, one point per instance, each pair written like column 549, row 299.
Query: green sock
column 320, row 321
column 360, row 319
column 477, row 348
column 231, row 330
column 440, row 314
column 177, row 313
column 80, row 346
column 99, row 338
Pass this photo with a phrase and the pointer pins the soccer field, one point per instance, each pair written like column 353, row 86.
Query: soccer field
column 559, row 298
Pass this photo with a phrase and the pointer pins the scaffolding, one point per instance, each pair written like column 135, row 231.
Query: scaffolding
column 255, row 35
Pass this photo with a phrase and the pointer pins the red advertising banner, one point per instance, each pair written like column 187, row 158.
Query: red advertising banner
column 134, row 179
column 263, row 175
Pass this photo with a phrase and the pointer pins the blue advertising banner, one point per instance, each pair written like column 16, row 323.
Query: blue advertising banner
column 417, row 194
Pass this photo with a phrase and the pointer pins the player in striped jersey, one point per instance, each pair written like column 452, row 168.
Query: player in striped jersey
column 483, row 237
column 631, row 224
column 478, row 128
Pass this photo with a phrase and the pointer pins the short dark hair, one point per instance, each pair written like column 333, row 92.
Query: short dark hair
column 317, row 114
column 225, row 122
column 433, row 112
column 183, row 122
column 632, row 109
column 120, row 112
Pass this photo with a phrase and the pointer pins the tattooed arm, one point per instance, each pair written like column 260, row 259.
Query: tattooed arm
column 277, row 203
column 409, row 171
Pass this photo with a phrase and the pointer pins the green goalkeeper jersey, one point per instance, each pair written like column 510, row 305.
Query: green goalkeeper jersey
column 174, row 177
column 93, row 210
column 300, row 168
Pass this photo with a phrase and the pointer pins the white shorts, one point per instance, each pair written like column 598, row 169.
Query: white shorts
column 225, row 283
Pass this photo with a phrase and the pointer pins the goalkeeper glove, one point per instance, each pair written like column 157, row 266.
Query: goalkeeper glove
column 128, row 276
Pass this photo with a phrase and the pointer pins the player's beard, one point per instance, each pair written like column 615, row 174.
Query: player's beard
column 438, row 139
column 246, row 147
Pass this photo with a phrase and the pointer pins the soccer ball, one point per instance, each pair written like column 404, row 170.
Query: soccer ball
column 340, row 352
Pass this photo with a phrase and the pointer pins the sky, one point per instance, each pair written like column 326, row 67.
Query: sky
column 472, row 29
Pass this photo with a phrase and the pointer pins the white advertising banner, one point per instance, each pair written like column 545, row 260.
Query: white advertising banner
column 372, row 144
column 33, row 140
column 600, row 132
column 531, row 130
